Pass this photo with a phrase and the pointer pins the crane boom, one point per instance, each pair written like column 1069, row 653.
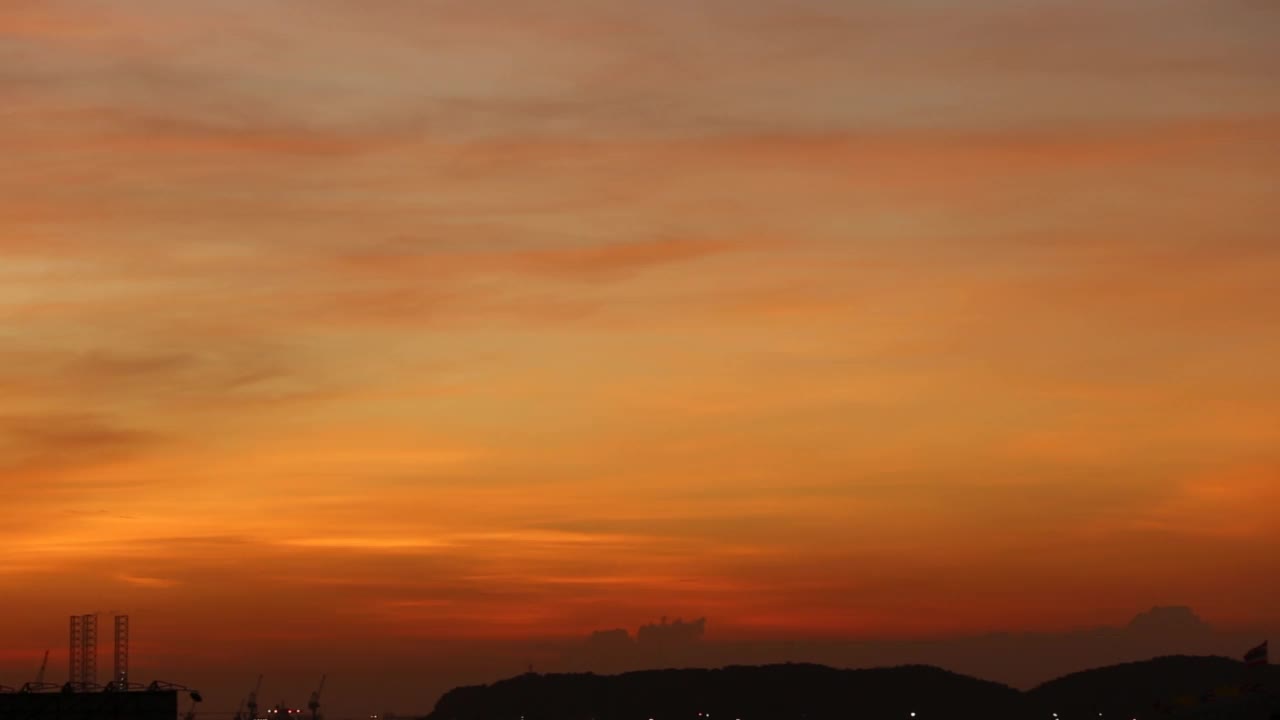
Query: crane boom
column 43, row 666
column 314, row 704
column 253, row 700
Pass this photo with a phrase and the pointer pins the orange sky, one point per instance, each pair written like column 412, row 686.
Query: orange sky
column 488, row 321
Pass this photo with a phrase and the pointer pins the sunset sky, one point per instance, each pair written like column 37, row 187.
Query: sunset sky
column 373, row 329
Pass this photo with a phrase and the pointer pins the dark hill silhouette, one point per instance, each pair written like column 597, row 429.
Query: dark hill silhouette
column 1207, row 686
column 749, row 693
column 1136, row 688
column 1020, row 659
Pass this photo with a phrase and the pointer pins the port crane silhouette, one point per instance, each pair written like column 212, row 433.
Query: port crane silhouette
column 40, row 685
column 252, row 702
column 314, row 703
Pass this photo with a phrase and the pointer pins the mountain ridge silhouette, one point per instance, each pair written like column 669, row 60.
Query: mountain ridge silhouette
column 1019, row 659
column 1148, row 688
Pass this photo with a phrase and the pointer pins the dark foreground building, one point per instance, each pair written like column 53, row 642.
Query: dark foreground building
column 161, row 705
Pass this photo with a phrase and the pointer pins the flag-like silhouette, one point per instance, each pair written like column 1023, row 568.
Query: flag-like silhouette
column 1257, row 656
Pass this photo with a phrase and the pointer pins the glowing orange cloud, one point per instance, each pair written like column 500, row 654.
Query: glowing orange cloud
column 461, row 323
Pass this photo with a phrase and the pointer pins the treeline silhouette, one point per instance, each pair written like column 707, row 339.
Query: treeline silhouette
column 812, row 692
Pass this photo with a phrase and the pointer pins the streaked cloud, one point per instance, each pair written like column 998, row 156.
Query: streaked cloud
column 367, row 543
column 482, row 321
column 151, row 583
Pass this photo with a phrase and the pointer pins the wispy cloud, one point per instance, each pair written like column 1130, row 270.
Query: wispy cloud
column 481, row 319
column 36, row 445
column 368, row 543
column 150, row 583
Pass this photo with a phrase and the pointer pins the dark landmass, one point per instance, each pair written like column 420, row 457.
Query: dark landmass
column 1164, row 687
column 1172, row 683
column 775, row 691
column 1020, row 660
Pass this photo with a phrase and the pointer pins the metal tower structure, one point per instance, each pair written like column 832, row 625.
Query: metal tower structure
column 75, row 655
column 84, row 650
column 121, row 676
column 90, row 653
